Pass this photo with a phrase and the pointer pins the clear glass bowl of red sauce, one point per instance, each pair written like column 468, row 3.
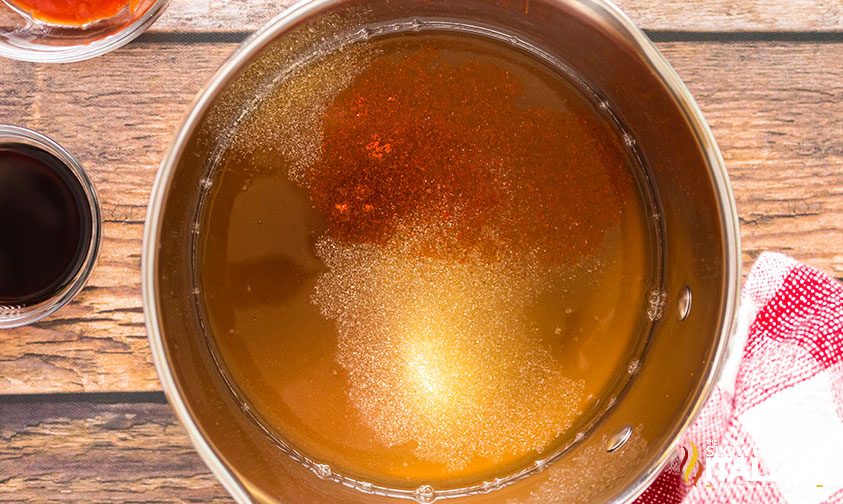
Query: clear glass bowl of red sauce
column 62, row 31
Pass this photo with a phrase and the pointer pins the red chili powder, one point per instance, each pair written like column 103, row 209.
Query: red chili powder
column 470, row 148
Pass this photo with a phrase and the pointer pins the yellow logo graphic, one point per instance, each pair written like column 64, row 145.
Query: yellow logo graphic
column 691, row 465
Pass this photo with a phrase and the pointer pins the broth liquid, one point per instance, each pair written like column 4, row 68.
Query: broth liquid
column 424, row 259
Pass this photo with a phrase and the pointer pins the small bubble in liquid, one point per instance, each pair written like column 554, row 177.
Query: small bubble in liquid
column 206, row 183
column 322, row 470
column 493, row 485
column 628, row 139
column 557, row 331
column 425, row 494
column 569, row 310
column 634, row 366
column 196, row 291
column 194, row 228
column 604, row 104
column 655, row 304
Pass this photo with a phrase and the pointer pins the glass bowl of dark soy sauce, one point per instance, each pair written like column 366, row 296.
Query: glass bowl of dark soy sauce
column 49, row 226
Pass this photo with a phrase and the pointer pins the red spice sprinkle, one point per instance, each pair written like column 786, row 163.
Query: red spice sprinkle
column 376, row 148
column 467, row 149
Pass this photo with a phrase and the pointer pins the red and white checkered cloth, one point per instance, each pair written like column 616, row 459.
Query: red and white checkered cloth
column 772, row 431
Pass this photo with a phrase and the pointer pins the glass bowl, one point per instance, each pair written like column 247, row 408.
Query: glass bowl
column 16, row 316
column 24, row 36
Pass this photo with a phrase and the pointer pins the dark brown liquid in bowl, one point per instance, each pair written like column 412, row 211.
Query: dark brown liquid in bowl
column 45, row 227
column 425, row 259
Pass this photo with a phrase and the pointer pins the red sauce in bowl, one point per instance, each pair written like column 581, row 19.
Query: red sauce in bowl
column 74, row 12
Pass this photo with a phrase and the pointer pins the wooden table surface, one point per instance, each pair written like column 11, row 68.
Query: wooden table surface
column 82, row 417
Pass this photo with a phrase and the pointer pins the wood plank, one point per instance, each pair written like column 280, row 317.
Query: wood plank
column 735, row 15
column 779, row 123
column 774, row 107
column 80, row 451
column 683, row 15
column 118, row 124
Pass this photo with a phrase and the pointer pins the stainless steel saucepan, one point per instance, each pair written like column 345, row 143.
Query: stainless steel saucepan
column 695, row 306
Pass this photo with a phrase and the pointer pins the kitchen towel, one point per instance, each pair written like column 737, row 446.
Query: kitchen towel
column 772, row 430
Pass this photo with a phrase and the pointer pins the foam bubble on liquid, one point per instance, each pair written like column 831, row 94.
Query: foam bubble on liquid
column 438, row 352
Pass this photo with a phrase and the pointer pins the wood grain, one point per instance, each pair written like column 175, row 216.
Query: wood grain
column 681, row 15
column 775, row 108
column 776, row 111
column 82, row 451
column 118, row 123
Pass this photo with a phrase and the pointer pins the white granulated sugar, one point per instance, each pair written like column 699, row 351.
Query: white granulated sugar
column 438, row 353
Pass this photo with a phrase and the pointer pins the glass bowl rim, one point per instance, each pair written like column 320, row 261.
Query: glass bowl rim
column 18, row 316
column 81, row 52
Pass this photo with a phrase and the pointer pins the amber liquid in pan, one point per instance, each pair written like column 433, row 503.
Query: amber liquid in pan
column 424, row 260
